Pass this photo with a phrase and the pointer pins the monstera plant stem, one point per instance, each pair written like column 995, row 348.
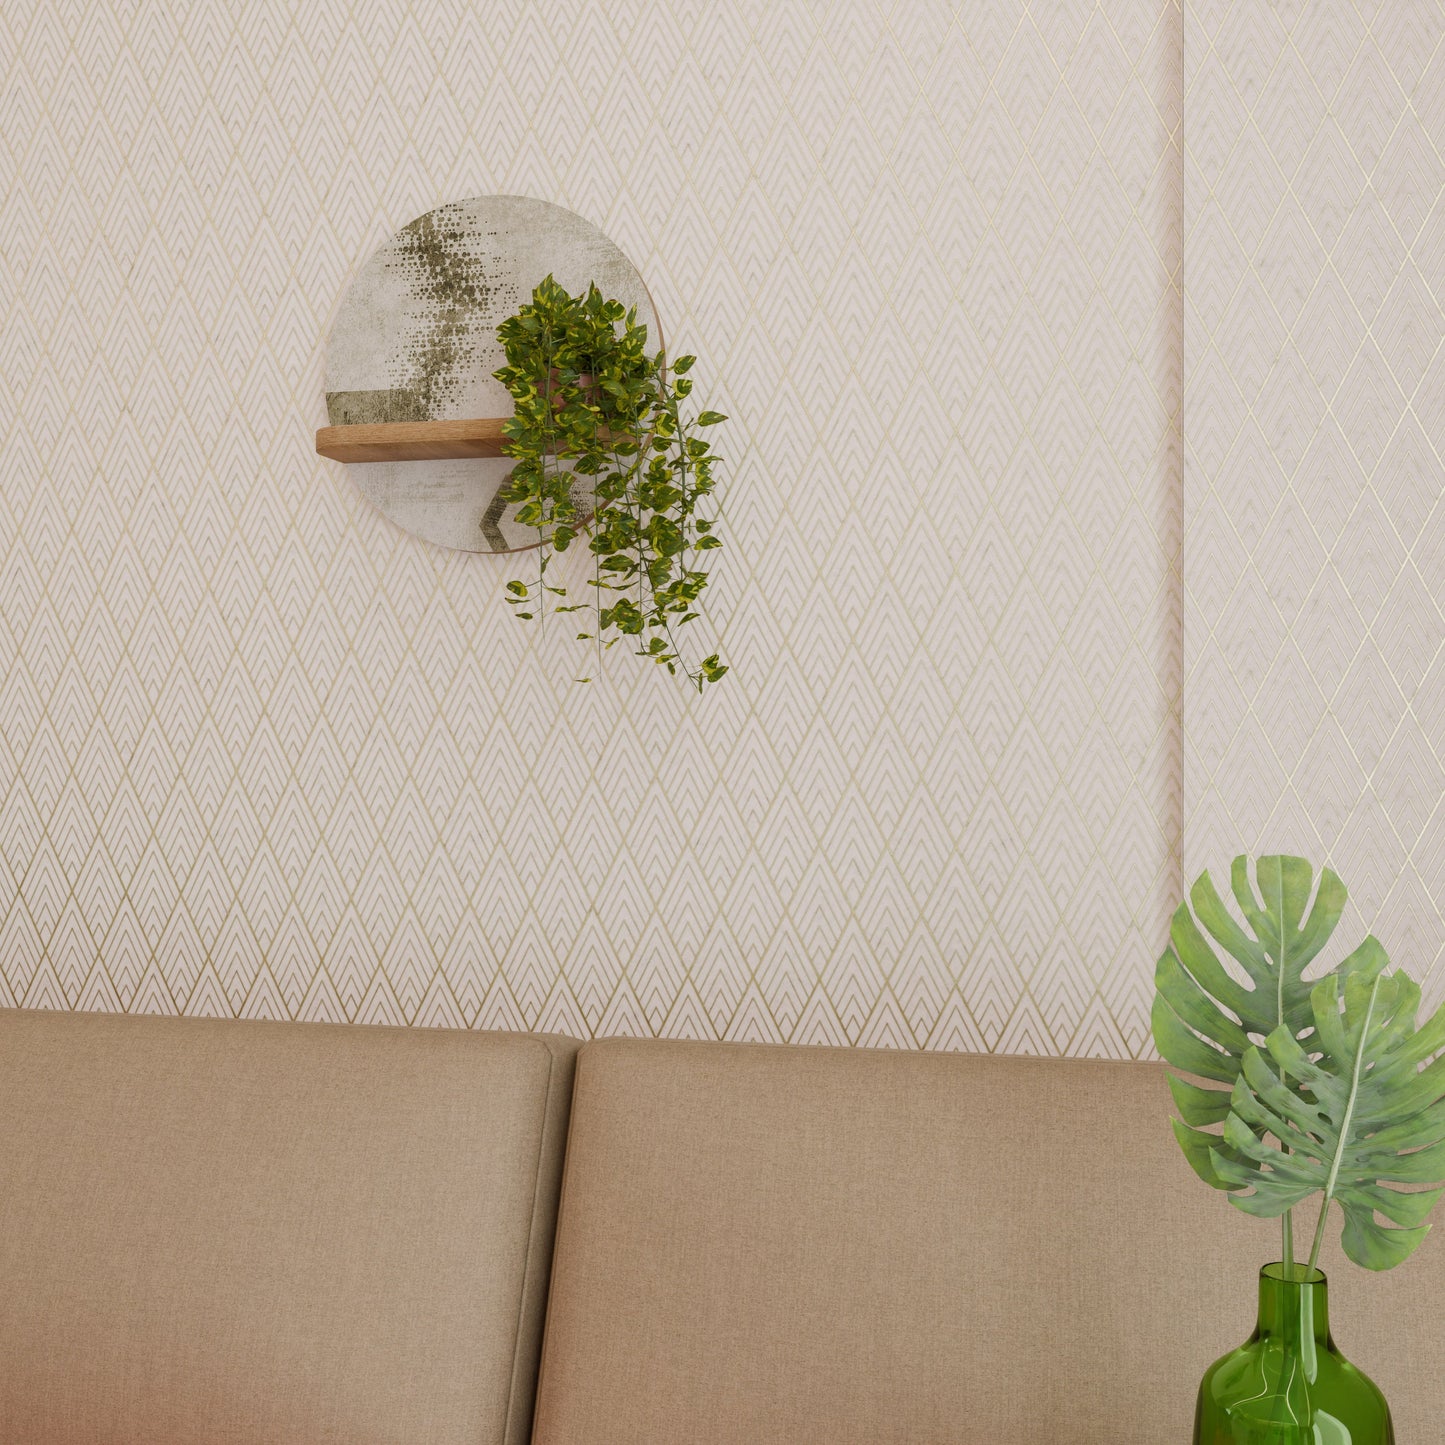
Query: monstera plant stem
column 1286, row 1223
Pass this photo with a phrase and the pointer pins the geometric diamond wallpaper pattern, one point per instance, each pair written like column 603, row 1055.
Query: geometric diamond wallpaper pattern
column 1314, row 715
column 263, row 753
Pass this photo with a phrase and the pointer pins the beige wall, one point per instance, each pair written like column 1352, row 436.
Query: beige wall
column 261, row 753
column 1314, row 714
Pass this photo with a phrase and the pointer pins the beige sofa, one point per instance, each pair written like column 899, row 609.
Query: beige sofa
column 223, row 1233
column 232, row 1232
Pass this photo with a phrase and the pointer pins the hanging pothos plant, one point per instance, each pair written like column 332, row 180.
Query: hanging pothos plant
column 592, row 401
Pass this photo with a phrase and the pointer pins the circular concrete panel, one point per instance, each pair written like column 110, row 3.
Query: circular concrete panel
column 415, row 339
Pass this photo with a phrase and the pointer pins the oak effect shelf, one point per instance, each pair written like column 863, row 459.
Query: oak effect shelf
column 411, row 441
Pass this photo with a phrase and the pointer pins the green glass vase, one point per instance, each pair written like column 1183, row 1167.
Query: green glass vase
column 1287, row 1384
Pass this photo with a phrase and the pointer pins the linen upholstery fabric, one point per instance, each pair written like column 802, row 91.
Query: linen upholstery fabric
column 297, row 1234
column 762, row 1243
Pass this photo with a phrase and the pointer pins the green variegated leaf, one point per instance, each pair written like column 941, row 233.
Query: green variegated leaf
column 1352, row 1108
column 1205, row 1018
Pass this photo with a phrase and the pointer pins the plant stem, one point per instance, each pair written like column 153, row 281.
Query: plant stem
column 1319, row 1231
column 666, row 626
column 682, row 480
column 597, row 505
column 541, row 521
column 1287, row 1219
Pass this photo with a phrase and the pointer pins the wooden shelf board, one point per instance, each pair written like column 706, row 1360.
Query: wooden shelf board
column 411, row 441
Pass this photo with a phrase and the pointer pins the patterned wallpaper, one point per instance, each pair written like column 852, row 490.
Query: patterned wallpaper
column 1314, row 570
column 262, row 753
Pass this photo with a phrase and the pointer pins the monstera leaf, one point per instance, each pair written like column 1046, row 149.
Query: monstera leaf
column 1353, row 1109
column 1205, row 1019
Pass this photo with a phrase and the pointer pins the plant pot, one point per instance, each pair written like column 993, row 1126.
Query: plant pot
column 1288, row 1384
column 554, row 387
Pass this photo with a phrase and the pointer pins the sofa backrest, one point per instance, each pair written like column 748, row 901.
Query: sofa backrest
column 239, row 1232
column 817, row 1245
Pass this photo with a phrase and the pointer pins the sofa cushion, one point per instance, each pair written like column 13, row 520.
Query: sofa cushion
column 242, row 1232
column 818, row 1245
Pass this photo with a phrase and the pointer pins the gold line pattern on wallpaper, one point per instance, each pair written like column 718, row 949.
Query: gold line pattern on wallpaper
column 1315, row 393
column 261, row 753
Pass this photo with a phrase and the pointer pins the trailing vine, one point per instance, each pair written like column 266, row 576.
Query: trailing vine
column 591, row 401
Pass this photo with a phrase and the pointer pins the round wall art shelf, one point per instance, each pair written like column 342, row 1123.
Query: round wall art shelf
column 409, row 384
